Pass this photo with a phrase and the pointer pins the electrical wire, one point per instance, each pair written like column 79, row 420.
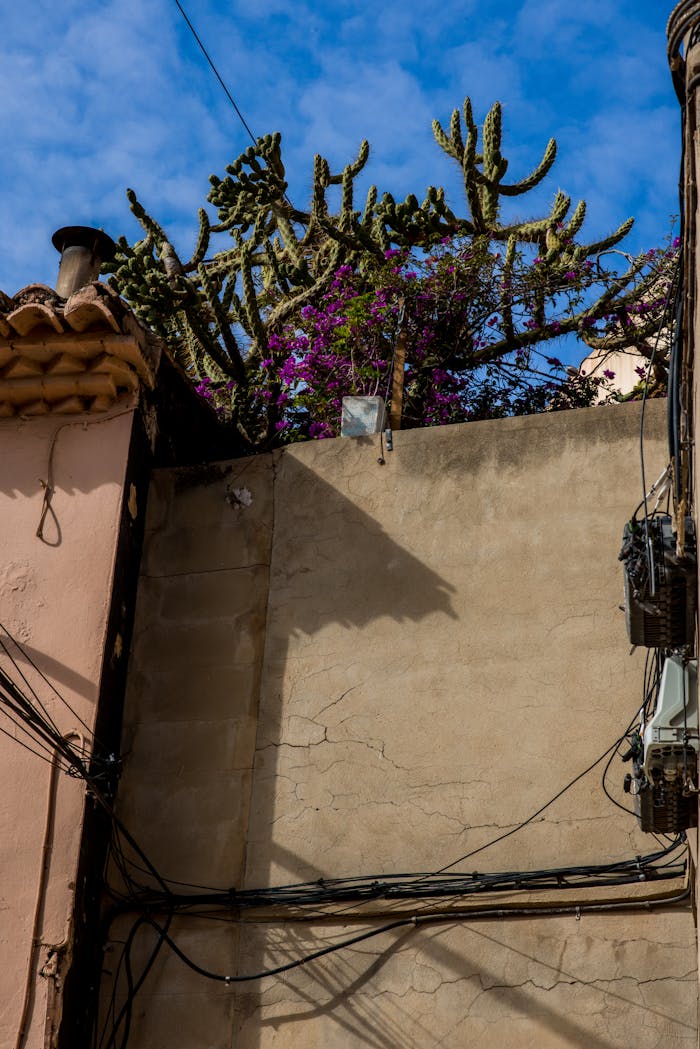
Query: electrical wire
column 5, row 634
column 215, row 71
column 539, row 811
column 639, row 868
column 124, row 1016
column 30, row 712
column 415, row 921
column 384, row 887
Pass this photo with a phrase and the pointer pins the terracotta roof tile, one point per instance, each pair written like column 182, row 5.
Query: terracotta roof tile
column 33, row 315
column 70, row 355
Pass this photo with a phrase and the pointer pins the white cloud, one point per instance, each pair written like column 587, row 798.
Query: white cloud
column 98, row 97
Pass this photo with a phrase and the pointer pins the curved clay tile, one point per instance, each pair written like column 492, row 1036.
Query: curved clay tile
column 41, row 293
column 34, row 315
column 88, row 308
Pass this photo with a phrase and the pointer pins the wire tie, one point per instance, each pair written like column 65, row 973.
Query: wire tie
column 45, row 507
column 578, row 914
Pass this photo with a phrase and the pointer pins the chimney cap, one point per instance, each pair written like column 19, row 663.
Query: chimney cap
column 99, row 242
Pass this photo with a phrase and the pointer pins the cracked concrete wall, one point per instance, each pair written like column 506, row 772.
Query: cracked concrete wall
column 342, row 668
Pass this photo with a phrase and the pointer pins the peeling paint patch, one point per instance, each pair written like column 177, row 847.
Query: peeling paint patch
column 15, row 577
column 238, row 498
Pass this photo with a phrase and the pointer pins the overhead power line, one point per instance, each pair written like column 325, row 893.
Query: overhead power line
column 215, row 71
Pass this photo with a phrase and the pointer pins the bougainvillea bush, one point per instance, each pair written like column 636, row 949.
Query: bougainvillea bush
column 301, row 308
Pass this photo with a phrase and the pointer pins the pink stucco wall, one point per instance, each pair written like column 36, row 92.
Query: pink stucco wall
column 54, row 598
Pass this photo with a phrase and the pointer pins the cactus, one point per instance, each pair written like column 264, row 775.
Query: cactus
column 218, row 310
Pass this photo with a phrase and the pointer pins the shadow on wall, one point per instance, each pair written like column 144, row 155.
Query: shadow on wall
column 63, row 454
column 215, row 613
column 479, row 980
column 200, row 641
column 349, row 571
column 60, row 672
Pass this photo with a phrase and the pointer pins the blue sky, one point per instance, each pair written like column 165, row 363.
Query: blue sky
column 98, row 96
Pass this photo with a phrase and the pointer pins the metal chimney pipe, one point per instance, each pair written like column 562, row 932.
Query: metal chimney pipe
column 83, row 250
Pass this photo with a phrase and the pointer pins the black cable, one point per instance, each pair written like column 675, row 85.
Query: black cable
column 3, row 648
column 324, row 892
column 313, row 956
column 43, row 676
column 385, row 887
column 608, row 795
column 36, row 753
column 215, row 71
column 416, row 920
column 113, row 997
column 20, row 712
column 524, row 823
column 125, row 1013
column 45, row 732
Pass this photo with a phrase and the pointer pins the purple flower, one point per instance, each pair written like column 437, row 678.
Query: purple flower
column 676, row 242
column 608, row 374
column 320, row 430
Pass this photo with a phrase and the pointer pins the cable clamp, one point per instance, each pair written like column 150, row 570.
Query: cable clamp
column 578, row 914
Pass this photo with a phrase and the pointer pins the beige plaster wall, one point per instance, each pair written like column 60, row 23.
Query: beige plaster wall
column 54, row 598
column 346, row 668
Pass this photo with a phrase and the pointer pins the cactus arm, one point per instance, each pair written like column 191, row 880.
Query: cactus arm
column 534, row 179
column 202, row 245
column 233, row 366
column 583, row 251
